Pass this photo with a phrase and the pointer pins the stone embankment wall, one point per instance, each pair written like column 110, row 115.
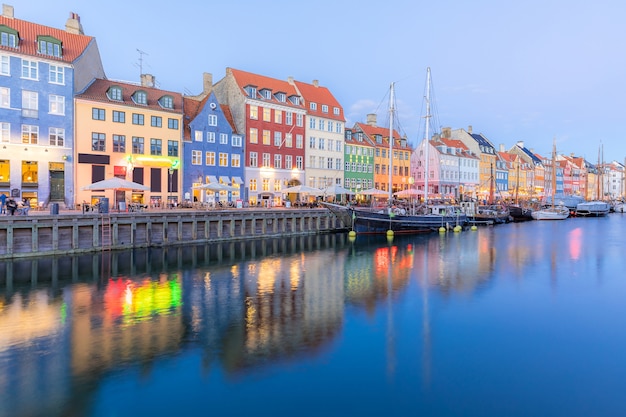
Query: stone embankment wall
column 41, row 235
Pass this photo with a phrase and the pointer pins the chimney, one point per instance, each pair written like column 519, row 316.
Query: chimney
column 502, row 147
column 371, row 119
column 72, row 25
column 7, row 11
column 520, row 143
column 316, row 83
column 469, row 129
column 446, row 132
column 207, row 82
column 290, row 80
column 147, row 80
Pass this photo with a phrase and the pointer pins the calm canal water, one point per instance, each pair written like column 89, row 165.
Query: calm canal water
column 514, row 320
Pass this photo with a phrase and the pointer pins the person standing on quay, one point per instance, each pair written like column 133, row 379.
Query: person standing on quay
column 3, row 202
column 11, row 206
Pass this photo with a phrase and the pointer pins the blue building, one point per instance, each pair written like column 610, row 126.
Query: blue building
column 41, row 68
column 213, row 152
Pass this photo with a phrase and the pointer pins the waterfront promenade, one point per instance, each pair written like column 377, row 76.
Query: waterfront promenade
column 72, row 231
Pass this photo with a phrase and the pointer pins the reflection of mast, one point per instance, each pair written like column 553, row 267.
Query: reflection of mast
column 426, row 340
column 391, row 338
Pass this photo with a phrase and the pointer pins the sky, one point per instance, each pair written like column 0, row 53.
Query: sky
column 531, row 71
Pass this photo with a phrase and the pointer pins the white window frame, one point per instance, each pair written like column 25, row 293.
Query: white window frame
column 5, row 132
column 31, row 131
column 5, row 65
column 57, row 105
column 198, row 135
column 30, row 69
column 56, row 74
column 59, row 134
column 235, row 160
column 223, row 159
column 237, row 141
column 212, row 120
column 223, row 138
column 196, row 157
column 209, row 158
column 210, row 137
column 5, row 97
column 30, row 103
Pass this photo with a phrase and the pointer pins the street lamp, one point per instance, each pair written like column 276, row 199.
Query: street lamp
column 169, row 188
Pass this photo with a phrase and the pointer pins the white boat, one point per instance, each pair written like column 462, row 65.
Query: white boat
column 593, row 208
column 554, row 212
column 619, row 207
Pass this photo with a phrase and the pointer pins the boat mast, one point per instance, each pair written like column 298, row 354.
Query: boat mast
column 427, row 142
column 391, row 110
column 553, row 172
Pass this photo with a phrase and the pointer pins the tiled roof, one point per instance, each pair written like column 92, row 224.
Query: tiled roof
column 454, row 143
column 320, row 95
column 229, row 117
column 73, row 44
column 244, row 79
column 98, row 89
column 191, row 108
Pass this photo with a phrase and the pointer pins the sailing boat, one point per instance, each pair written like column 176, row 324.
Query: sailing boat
column 397, row 219
column 595, row 208
column 554, row 212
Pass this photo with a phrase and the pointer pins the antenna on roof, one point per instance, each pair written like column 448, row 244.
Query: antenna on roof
column 141, row 54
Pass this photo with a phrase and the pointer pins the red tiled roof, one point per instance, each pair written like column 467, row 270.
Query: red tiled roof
column 454, row 143
column 370, row 131
column 73, row 45
column 98, row 89
column 191, row 109
column 244, row 79
column 320, row 95
column 229, row 117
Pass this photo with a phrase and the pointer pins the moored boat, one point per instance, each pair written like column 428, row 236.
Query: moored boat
column 519, row 213
column 593, row 208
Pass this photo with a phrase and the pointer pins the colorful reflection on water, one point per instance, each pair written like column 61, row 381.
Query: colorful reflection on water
column 515, row 320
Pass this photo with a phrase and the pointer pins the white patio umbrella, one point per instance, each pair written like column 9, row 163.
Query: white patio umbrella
column 408, row 193
column 337, row 189
column 302, row 189
column 115, row 183
column 374, row 192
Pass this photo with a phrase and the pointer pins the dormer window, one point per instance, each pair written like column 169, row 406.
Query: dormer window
column 324, row 108
column 313, row 106
column 282, row 97
column 115, row 93
column 8, row 36
column 295, row 100
column 140, row 97
column 251, row 91
column 379, row 138
column 167, row 102
column 47, row 45
column 266, row 94
column 336, row 111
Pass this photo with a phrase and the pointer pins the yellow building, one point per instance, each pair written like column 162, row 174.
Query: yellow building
column 133, row 132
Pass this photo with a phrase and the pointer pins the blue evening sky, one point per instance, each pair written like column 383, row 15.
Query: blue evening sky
column 528, row 70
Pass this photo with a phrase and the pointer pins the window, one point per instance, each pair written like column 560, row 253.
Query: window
column 322, row 144
column 289, row 118
column 266, row 184
column 56, row 74
column 57, row 105
column 5, row 67
column 338, row 163
column 119, row 116
column 277, row 185
column 172, row 124
column 253, row 185
column 321, row 124
column 119, row 143
column 313, row 106
column 254, row 159
column 196, row 157
column 56, row 136
column 223, row 159
column 281, row 97
column 156, row 146
column 266, row 160
column 254, row 135
column 210, row 158
column 324, row 108
column 5, row 132
column 223, row 139
column 299, row 120
column 254, row 112
column 266, row 137
column 210, row 137
column 251, row 91
column 5, row 97
column 266, row 94
column 137, row 119
column 278, row 138
column 156, row 121
column 8, row 37
column 299, row 141
column 172, row 148
column 278, row 116
column 138, row 145
column 140, row 97
column 329, row 163
column 212, row 120
column 336, row 111
column 312, row 123
column 98, row 141
column 167, row 102
column 30, row 134
column 235, row 160
column 30, row 104
column 198, row 135
column 115, row 93
column 299, row 162
column 288, row 162
column 49, row 46
column 267, row 114
column 288, row 140
column 237, row 141
column 29, row 69
column 278, row 161
column 312, row 141
column 97, row 114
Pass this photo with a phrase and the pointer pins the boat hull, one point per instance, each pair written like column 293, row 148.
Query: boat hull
column 593, row 209
column 556, row 213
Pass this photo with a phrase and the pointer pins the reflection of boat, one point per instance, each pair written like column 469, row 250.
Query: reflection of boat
column 593, row 208
column 554, row 212
column 401, row 220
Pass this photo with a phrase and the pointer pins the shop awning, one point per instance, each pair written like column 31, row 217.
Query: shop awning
column 213, row 179
column 237, row 180
column 224, row 180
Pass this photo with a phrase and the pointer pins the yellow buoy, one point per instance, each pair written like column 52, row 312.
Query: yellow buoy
column 457, row 228
column 442, row 229
column 390, row 232
column 352, row 233
column 474, row 227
